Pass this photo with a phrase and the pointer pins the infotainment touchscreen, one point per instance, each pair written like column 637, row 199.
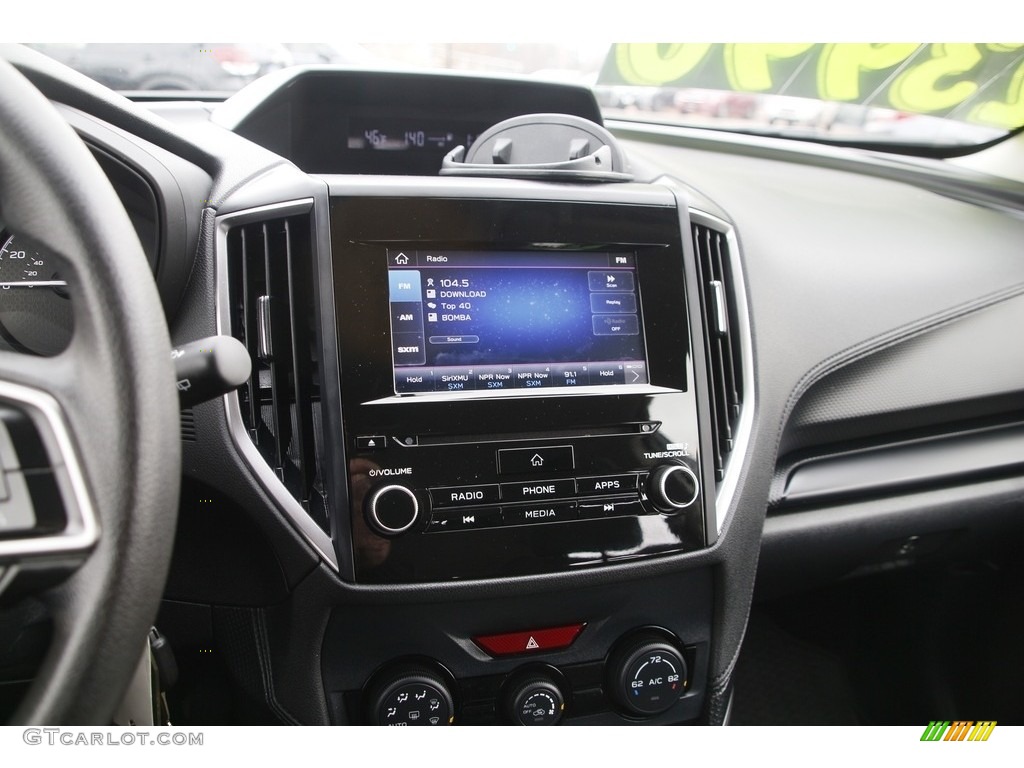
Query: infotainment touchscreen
column 520, row 320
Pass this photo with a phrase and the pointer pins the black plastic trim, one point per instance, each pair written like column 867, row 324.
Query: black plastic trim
column 912, row 464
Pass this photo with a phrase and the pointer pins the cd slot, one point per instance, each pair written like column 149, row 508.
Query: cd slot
column 637, row 428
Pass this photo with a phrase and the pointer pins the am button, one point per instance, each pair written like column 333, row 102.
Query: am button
column 515, row 461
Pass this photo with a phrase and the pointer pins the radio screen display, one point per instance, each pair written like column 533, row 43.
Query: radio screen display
column 479, row 321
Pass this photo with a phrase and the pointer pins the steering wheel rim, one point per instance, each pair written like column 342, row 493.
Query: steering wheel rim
column 114, row 391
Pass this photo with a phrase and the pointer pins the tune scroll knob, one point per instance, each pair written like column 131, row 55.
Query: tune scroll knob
column 672, row 487
column 391, row 510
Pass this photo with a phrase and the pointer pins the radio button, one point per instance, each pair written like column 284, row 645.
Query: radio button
column 552, row 512
column 464, row 519
column 606, row 484
column 595, row 508
column 513, row 461
column 537, row 489
column 465, row 495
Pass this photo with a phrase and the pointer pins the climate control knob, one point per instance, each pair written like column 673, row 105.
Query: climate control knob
column 535, row 700
column 391, row 510
column 672, row 487
column 410, row 695
column 647, row 674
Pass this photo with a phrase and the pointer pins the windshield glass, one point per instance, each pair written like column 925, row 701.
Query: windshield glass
column 937, row 95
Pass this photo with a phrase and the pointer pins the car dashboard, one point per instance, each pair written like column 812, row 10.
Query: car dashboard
column 518, row 450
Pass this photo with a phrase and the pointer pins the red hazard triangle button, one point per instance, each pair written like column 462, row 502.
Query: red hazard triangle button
column 531, row 641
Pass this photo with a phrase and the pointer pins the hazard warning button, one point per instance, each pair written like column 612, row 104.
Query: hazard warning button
column 531, row 641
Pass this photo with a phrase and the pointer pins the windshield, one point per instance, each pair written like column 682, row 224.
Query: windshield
column 953, row 96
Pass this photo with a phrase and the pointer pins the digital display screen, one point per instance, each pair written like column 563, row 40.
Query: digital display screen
column 409, row 135
column 491, row 321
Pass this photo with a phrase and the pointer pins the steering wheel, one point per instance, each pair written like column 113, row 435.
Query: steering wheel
column 110, row 408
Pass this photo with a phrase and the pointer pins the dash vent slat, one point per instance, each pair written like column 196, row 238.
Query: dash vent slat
column 270, row 267
column 725, row 383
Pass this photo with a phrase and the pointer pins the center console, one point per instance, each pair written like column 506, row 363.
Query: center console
column 519, row 402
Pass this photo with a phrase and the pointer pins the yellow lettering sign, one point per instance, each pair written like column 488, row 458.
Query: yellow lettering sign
column 935, row 85
column 658, row 63
column 841, row 65
column 748, row 65
column 1008, row 114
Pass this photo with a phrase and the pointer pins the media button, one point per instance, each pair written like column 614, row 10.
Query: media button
column 464, row 495
column 514, row 461
column 552, row 512
column 605, row 484
column 537, row 489
column 621, row 507
column 467, row 519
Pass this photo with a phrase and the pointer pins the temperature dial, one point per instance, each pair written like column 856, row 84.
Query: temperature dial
column 647, row 675
column 537, row 700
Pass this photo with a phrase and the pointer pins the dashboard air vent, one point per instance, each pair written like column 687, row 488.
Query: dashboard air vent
column 270, row 268
column 725, row 378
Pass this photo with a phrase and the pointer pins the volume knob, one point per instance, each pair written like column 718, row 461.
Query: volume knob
column 391, row 509
column 672, row 487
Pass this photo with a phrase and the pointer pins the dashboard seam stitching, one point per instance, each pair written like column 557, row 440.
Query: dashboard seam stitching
column 883, row 341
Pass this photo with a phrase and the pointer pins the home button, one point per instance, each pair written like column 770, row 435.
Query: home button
column 514, row 461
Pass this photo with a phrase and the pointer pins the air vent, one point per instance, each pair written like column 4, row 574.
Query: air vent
column 725, row 378
column 270, row 268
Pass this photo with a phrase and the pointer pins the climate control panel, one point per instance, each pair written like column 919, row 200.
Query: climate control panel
column 645, row 677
